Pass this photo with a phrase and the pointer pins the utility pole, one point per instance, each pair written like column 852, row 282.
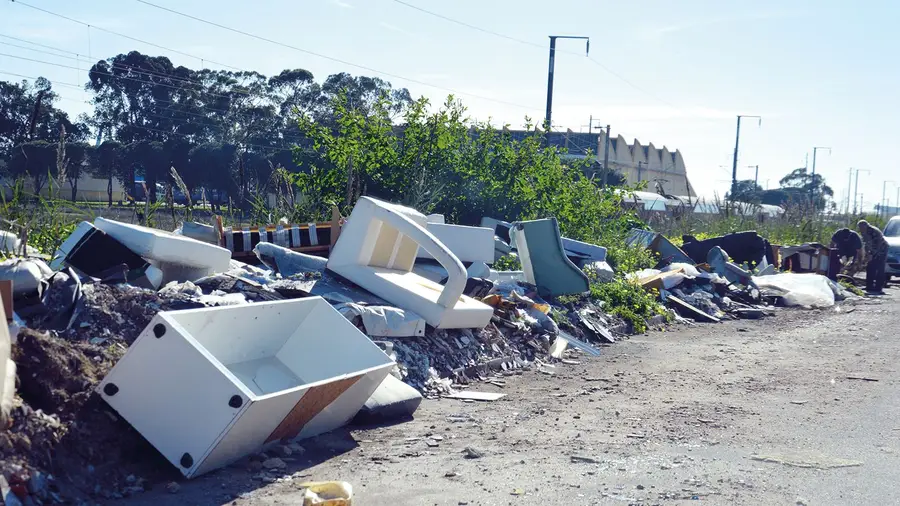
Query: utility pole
column 815, row 149
column 737, row 142
column 814, row 157
column 547, row 118
column 591, row 124
column 883, row 191
column 849, row 187
column 856, row 189
column 756, row 176
column 606, row 158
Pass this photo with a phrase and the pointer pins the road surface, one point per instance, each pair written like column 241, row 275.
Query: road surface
column 801, row 408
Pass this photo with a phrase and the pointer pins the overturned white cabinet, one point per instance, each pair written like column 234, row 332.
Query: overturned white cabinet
column 377, row 250
column 209, row 386
column 179, row 257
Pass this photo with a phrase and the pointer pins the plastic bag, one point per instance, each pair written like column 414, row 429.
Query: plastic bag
column 812, row 290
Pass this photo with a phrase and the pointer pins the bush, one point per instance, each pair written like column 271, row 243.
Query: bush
column 628, row 301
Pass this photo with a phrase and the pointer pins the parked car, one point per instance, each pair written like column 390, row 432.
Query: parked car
column 892, row 234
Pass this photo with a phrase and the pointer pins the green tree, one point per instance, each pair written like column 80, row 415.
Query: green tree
column 108, row 162
column 35, row 160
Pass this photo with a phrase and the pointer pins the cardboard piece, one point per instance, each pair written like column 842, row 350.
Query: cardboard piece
column 377, row 251
column 209, row 386
column 658, row 282
column 544, row 261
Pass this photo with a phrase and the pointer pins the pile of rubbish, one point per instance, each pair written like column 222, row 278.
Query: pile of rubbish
column 703, row 281
column 135, row 346
column 126, row 327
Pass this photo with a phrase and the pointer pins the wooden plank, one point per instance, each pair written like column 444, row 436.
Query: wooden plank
column 684, row 307
column 311, row 404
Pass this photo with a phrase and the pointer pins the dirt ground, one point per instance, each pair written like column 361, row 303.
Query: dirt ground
column 800, row 408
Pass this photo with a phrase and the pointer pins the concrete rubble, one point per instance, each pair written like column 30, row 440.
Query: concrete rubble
column 63, row 441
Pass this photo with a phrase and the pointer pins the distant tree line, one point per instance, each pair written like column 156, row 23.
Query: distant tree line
column 797, row 187
column 223, row 131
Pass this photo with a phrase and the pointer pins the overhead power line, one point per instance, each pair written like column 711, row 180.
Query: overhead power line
column 129, row 37
column 330, row 58
column 543, row 47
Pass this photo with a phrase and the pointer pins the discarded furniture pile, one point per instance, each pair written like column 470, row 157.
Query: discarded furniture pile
column 132, row 345
column 732, row 276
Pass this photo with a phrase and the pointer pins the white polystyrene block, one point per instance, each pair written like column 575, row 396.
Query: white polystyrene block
column 435, row 218
column 209, row 386
column 377, row 250
column 469, row 244
column 167, row 248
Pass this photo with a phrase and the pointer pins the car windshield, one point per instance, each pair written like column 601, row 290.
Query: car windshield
column 893, row 228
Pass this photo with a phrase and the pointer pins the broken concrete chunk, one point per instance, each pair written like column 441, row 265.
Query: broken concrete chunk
column 377, row 251
column 204, row 394
column 544, row 260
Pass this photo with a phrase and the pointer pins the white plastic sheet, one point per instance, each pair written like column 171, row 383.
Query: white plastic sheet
column 808, row 290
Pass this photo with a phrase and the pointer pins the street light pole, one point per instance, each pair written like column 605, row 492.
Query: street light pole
column 553, row 38
column 737, row 142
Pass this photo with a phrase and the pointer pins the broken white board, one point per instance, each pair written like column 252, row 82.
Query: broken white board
column 476, row 396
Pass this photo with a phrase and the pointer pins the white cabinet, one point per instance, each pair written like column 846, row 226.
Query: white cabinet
column 209, row 386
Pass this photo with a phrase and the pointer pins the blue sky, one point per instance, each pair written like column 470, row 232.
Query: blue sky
column 821, row 73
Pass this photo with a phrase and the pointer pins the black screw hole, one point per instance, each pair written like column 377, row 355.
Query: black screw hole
column 110, row 389
column 159, row 330
column 187, row 461
column 236, row 401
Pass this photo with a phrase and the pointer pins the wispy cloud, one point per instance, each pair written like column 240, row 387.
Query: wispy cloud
column 341, row 4
column 658, row 32
column 395, row 28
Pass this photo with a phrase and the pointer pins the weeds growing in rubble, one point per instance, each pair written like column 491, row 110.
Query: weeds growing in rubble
column 628, row 301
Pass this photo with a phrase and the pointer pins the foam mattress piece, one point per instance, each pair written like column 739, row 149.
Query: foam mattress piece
column 165, row 247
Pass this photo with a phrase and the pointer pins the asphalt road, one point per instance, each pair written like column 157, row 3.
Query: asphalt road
column 801, row 408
